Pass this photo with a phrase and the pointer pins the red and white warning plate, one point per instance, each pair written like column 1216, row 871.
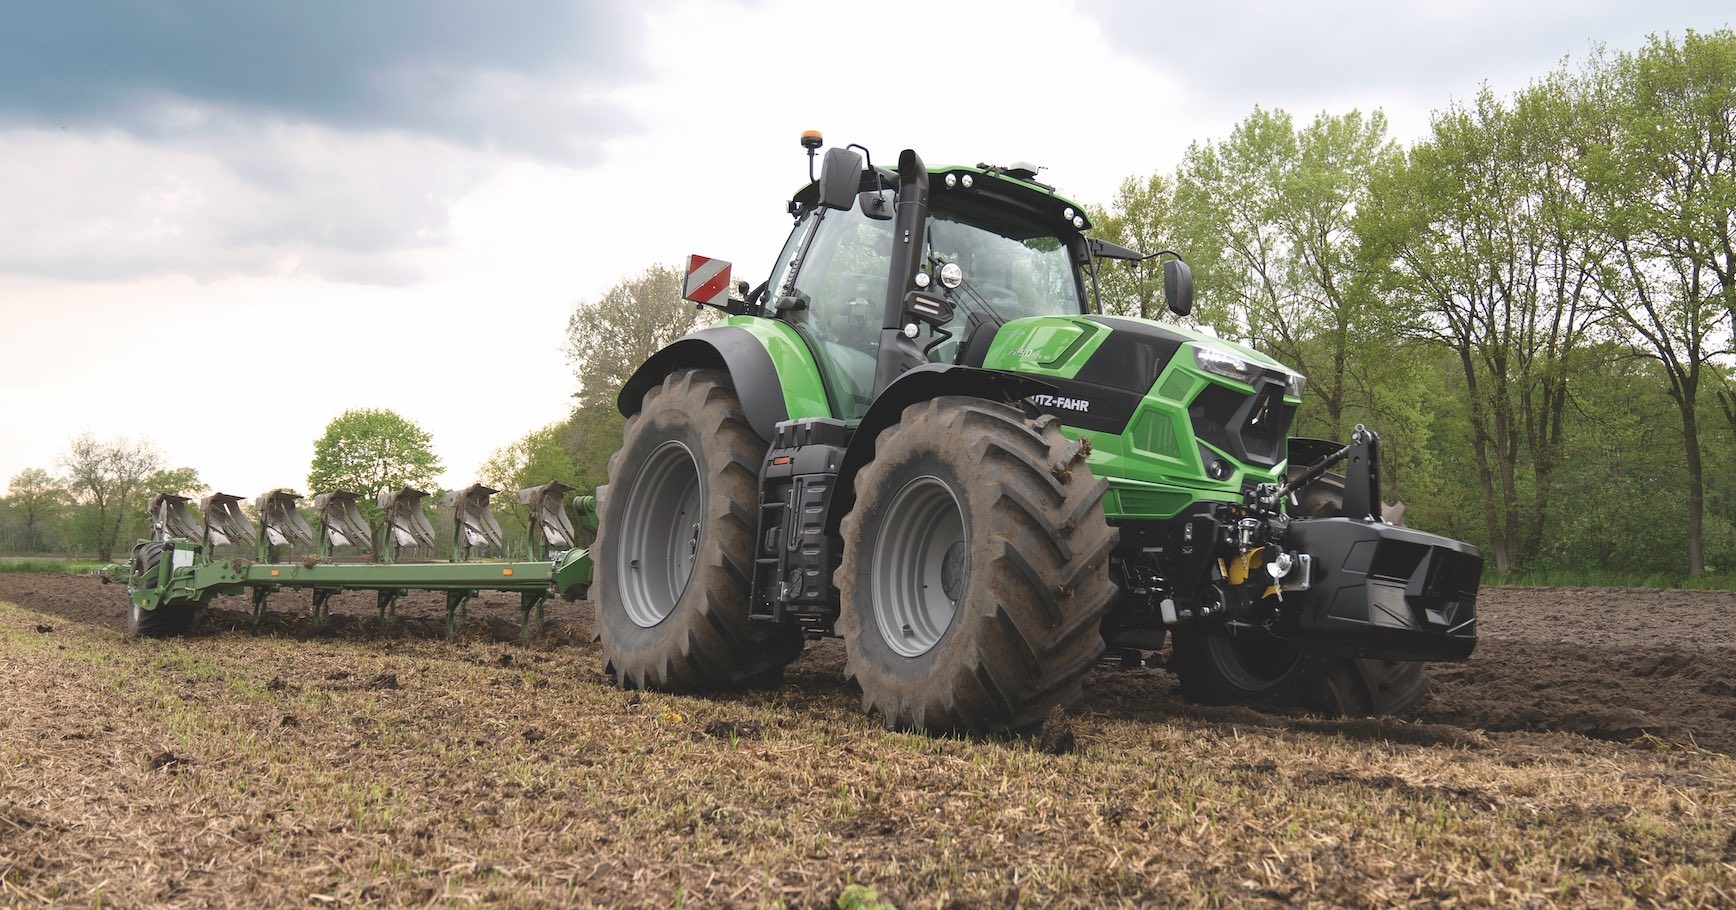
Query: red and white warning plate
column 707, row 281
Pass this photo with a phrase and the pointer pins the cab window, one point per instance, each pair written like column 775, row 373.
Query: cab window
column 841, row 289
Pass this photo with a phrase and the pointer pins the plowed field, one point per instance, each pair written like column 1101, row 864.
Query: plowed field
column 1574, row 759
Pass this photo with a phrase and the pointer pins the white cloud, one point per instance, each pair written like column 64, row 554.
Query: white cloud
column 273, row 200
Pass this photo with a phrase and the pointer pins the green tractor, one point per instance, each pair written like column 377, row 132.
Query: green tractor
column 921, row 435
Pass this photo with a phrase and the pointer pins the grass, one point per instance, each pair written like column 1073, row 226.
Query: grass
column 63, row 565
column 232, row 770
column 1599, row 578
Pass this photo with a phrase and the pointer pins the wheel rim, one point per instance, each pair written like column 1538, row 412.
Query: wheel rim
column 921, row 566
column 659, row 525
column 1252, row 661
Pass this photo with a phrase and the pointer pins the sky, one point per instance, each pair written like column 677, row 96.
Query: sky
column 223, row 224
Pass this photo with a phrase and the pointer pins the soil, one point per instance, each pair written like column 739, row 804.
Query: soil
column 1625, row 665
column 1573, row 761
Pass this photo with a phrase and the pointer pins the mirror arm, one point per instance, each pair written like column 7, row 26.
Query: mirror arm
column 1096, row 292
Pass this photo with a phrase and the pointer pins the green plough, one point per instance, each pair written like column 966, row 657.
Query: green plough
column 174, row 575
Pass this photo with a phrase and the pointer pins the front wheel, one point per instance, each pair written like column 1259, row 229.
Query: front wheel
column 675, row 545
column 975, row 572
column 1257, row 668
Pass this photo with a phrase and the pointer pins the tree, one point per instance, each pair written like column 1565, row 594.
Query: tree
column 608, row 338
column 35, row 499
column 1669, row 172
column 370, row 451
column 1483, row 230
column 1141, row 218
column 1273, row 213
column 111, row 481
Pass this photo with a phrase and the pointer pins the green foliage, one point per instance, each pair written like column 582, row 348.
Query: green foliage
column 608, row 338
column 63, row 566
column 35, row 503
column 1141, row 218
column 862, row 897
column 371, row 451
column 1530, row 303
column 1270, row 216
column 1666, row 173
column 110, row 482
column 590, row 436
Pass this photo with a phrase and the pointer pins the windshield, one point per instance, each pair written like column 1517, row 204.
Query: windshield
column 1009, row 272
column 833, row 291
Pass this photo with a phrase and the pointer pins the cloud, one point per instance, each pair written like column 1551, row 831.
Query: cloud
column 529, row 77
column 285, row 201
column 1300, row 55
column 326, row 138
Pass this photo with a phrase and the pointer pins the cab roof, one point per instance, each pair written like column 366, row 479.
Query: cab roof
column 1004, row 188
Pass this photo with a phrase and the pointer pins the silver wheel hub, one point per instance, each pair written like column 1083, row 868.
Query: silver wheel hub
column 659, row 524
column 921, row 566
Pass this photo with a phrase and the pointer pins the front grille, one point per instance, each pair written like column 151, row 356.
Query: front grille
column 1154, row 432
column 1250, row 427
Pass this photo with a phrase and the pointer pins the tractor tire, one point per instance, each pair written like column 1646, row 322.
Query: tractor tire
column 976, row 570
column 1261, row 670
column 675, row 546
column 164, row 621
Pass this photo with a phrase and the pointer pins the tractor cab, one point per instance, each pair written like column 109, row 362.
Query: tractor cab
column 992, row 246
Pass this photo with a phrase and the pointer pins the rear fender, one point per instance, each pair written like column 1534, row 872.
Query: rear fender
column 918, row 385
column 745, row 356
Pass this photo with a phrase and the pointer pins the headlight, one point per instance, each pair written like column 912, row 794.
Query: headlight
column 1230, row 366
column 1226, row 364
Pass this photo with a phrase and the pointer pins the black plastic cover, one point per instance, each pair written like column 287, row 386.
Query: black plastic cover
column 1385, row 591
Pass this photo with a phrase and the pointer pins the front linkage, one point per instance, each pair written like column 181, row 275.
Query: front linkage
column 1329, row 576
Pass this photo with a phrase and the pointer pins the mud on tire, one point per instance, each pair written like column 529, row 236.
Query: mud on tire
column 1258, row 669
column 675, row 545
column 975, row 572
column 164, row 621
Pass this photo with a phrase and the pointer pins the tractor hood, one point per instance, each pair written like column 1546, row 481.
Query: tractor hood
column 1126, row 354
column 1145, row 388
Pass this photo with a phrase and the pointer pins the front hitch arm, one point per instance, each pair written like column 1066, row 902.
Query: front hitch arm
column 1361, row 478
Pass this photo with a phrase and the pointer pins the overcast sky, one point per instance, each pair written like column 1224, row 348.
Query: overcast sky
column 222, row 223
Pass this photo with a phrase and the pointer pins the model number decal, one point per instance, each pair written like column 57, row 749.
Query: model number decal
column 1081, row 405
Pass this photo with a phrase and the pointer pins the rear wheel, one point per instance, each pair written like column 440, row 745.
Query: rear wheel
column 675, row 545
column 975, row 573
column 1257, row 668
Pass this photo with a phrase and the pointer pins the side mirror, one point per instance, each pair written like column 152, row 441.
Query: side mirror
column 840, row 175
column 877, row 205
column 1178, row 287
